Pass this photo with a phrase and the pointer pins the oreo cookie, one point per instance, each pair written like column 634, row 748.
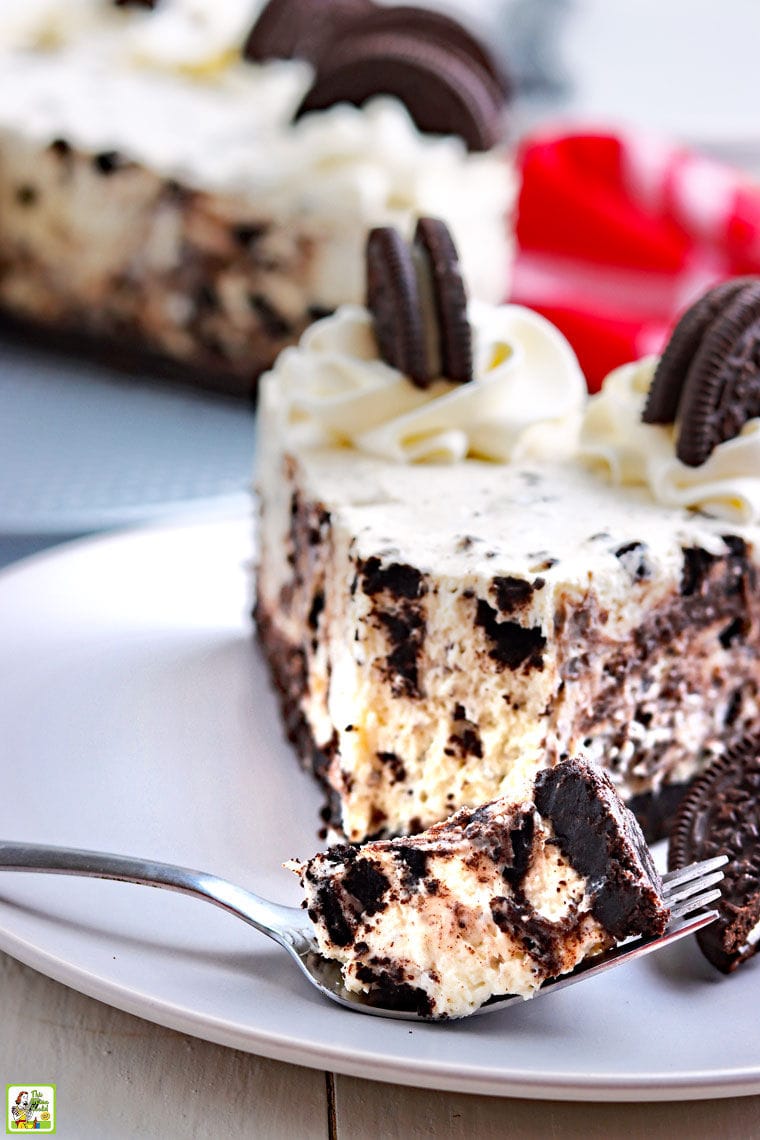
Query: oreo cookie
column 301, row 29
column 446, row 78
column 419, row 304
column 722, row 388
column 708, row 378
column 436, row 251
column 721, row 815
column 443, row 90
column 668, row 381
column 436, row 27
column 393, row 298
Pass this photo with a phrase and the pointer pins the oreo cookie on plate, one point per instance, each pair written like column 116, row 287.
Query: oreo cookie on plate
column 721, row 815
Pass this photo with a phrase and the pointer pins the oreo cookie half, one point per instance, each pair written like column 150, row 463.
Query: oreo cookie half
column 301, row 29
column 445, row 91
column 668, row 381
column 434, row 26
column 722, row 388
column 721, row 815
column 434, row 248
column 393, row 298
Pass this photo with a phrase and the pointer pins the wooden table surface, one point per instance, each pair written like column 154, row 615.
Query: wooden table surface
column 120, row 1077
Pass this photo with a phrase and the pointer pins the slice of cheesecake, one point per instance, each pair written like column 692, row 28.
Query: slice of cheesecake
column 157, row 198
column 448, row 599
column 495, row 900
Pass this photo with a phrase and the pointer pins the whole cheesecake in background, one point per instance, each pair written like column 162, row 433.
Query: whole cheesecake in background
column 164, row 195
column 461, row 582
column 496, row 900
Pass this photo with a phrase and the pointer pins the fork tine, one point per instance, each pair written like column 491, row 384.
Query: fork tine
column 693, row 904
column 673, row 879
column 686, row 890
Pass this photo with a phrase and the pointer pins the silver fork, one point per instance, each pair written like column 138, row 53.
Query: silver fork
column 688, row 893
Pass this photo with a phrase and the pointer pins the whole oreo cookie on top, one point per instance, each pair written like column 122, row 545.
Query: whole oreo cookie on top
column 669, row 377
column 433, row 243
column 721, row 815
column 393, row 299
column 722, row 388
column 418, row 303
column 707, row 381
column 435, row 26
column 446, row 78
column 301, row 29
column 444, row 91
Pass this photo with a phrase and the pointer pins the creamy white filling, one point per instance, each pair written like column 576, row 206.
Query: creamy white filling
column 614, row 437
column 754, row 936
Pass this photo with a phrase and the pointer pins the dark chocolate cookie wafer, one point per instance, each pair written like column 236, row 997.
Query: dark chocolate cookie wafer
column 721, row 815
column 445, row 91
column 722, row 388
column 394, row 301
column 433, row 240
column 670, row 374
column 301, row 29
column 432, row 26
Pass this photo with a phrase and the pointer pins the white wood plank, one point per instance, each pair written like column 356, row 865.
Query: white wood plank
column 366, row 1110
column 119, row 1077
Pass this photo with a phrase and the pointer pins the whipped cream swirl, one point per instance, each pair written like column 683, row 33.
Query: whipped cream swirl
column 614, row 437
column 525, row 401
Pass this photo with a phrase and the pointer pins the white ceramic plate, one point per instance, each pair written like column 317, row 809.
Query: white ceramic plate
column 136, row 717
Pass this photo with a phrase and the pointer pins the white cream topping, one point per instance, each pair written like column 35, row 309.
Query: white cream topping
column 168, row 88
column 525, row 401
column 613, row 436
column 191, row 34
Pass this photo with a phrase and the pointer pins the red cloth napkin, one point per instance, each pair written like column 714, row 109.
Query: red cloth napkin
column 618, row 233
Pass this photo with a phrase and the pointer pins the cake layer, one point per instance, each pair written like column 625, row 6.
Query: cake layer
column 438, row 631
column 154, row 191
column 493, row 901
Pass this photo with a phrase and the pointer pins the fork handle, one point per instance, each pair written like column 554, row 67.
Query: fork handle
column 284, row 924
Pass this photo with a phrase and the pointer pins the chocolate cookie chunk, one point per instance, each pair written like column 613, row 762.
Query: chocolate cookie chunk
column 721, row 815
column 393, row 298
column 722, row 388
column 301, row 29
column 670, row 374
column 444, row 90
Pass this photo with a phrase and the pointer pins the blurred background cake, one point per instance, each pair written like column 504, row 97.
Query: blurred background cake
column 189, row 184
